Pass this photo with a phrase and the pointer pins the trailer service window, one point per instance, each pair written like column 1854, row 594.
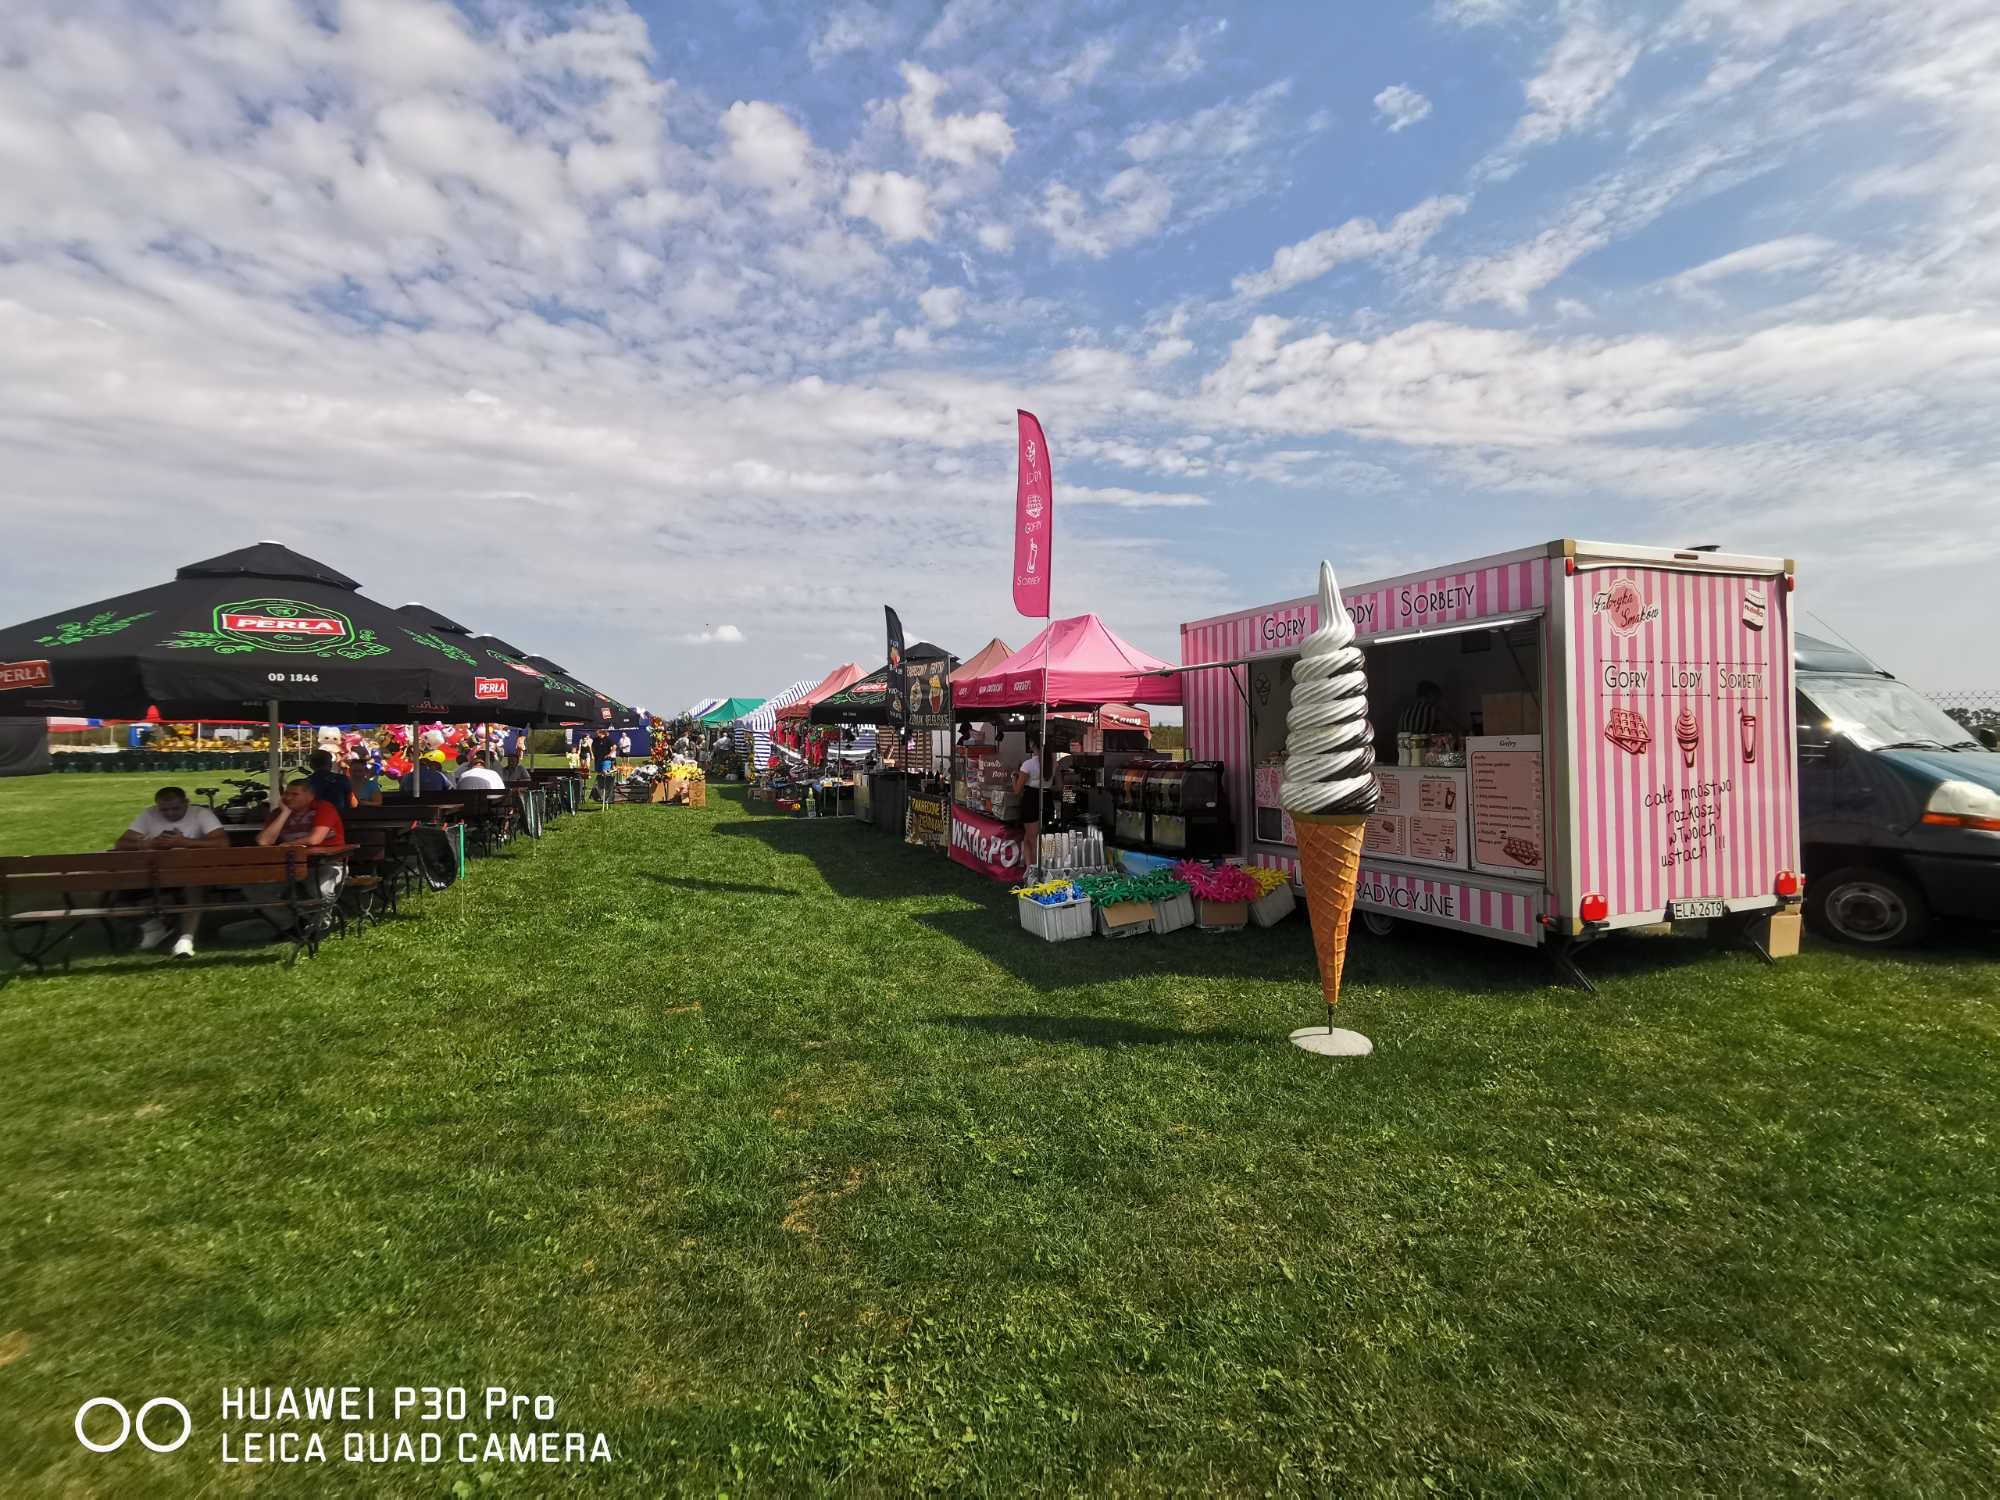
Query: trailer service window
column 1488, row 676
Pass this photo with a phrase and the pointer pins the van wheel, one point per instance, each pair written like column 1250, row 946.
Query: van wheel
column 1874, row 908
column 1379, row 924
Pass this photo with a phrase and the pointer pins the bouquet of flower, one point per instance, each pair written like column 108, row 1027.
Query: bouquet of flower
column 1267, row 879
column 1110, row 890
column 1048, row 892
column 1227, row 883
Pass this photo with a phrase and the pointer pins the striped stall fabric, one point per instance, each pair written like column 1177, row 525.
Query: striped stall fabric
column 753, row 731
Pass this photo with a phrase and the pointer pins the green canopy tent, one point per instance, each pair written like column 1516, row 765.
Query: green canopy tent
column 729, row 711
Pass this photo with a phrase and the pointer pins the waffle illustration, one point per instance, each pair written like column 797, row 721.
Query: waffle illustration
column 1522, row 852
column 1626, row 728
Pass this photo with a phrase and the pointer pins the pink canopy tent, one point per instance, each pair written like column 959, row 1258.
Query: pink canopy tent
column 989, row 658
column 1086, row 665
column 1111, row 716
column 844, row 675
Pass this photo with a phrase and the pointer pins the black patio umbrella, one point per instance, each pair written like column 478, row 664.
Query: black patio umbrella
column 863, row 701
column 507, row 688
column 598, row 708
column 261, row 631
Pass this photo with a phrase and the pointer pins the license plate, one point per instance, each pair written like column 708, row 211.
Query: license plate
column 1695, row 911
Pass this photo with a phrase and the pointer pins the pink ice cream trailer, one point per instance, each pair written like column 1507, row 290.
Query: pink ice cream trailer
column 1573, row 738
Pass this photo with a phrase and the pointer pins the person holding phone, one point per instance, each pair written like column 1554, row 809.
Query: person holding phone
column 172, row 822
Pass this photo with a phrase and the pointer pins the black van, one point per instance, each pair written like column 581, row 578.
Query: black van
column 1899, row 805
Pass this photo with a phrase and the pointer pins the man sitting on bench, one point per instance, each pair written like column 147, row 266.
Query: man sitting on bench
column 302, row 818
column 173, row 823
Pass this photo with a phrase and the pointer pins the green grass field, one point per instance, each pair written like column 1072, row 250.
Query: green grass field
column 775, row 1151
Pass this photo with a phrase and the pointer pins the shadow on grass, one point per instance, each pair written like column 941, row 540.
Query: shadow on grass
column 719, row 887
column 92, row 965
column 855, row 859
column 1093, row 1031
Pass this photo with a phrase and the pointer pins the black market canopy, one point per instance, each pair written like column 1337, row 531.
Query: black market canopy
column 864, row 700
column 262, row 629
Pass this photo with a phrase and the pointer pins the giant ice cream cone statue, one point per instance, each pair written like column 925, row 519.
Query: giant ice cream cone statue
column 1329, row 789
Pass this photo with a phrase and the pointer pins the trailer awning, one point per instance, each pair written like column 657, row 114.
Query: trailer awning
column 1460, row 627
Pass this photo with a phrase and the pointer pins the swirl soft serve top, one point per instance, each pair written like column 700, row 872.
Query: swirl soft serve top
column 1329, row 742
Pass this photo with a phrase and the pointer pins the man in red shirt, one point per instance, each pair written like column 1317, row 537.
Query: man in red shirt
column 303, row 818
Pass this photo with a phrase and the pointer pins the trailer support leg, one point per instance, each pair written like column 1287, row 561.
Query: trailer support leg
column 1563, row 956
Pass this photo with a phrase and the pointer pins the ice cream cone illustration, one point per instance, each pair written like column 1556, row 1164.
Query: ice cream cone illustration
column 1687, row 729
column 1329, row 790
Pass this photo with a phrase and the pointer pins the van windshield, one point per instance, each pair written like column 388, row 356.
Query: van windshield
column 1879, row 713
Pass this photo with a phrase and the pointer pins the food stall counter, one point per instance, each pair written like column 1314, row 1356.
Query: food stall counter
column 987, row 845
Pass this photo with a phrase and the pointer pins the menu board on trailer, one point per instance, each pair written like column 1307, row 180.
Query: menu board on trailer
column 1506, row 775
column 1421, row 817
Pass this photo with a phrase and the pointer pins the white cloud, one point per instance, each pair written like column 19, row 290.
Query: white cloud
column 1183, row 58
column 1789, row 253
column 828, row 257
column 1401, row 106
column 1124, row 499
column 1082, row 70
column 853, row 28
column 1221, row 130
column 1169, row 349
column 1355, row 240
column 1131, row 207
column 715, row 635
column 899, row 206
column 959, row 139
column 1605, row 210
column 1476, row 12
column 1577, row 80
column 959, row 20
column 943, row 306
column 769, row 150
column 1443, row 383
column 999, row 238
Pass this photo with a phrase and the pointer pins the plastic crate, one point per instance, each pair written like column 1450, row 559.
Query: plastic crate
column 1221, row 916
column 1269, row 911
column 1057, row 923
column 1125, row 918
column 1174, row 913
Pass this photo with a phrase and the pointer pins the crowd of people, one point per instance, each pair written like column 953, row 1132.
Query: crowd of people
column 310, row 811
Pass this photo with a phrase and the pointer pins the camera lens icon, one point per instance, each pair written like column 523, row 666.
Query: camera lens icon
column 128, row 1424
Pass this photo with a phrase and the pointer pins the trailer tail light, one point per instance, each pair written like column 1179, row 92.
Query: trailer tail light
column 1788, row 884
column 1569, row 567
column 1594, row 909
column 1791, row 582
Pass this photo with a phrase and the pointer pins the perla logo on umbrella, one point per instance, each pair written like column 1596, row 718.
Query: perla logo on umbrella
column 283, row 625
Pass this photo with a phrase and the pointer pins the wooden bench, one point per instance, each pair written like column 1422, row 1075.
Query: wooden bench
column 46, row 899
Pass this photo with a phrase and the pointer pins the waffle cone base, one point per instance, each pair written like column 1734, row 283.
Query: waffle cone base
column 1330, row 858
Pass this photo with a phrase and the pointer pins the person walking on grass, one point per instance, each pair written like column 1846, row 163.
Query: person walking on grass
column 604, row 755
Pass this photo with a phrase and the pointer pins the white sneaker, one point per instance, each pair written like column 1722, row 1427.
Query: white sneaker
column 152, row 935
column 184, row 945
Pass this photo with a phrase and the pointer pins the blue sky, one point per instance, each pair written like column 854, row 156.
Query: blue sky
column 673, row 341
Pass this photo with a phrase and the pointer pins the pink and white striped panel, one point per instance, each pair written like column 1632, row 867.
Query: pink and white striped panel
column 1450, row 598
column 1436, row 898
column 1684, row 783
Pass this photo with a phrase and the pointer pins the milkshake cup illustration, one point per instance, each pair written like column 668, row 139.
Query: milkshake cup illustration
column 1746, row 724
column 1687, row 729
